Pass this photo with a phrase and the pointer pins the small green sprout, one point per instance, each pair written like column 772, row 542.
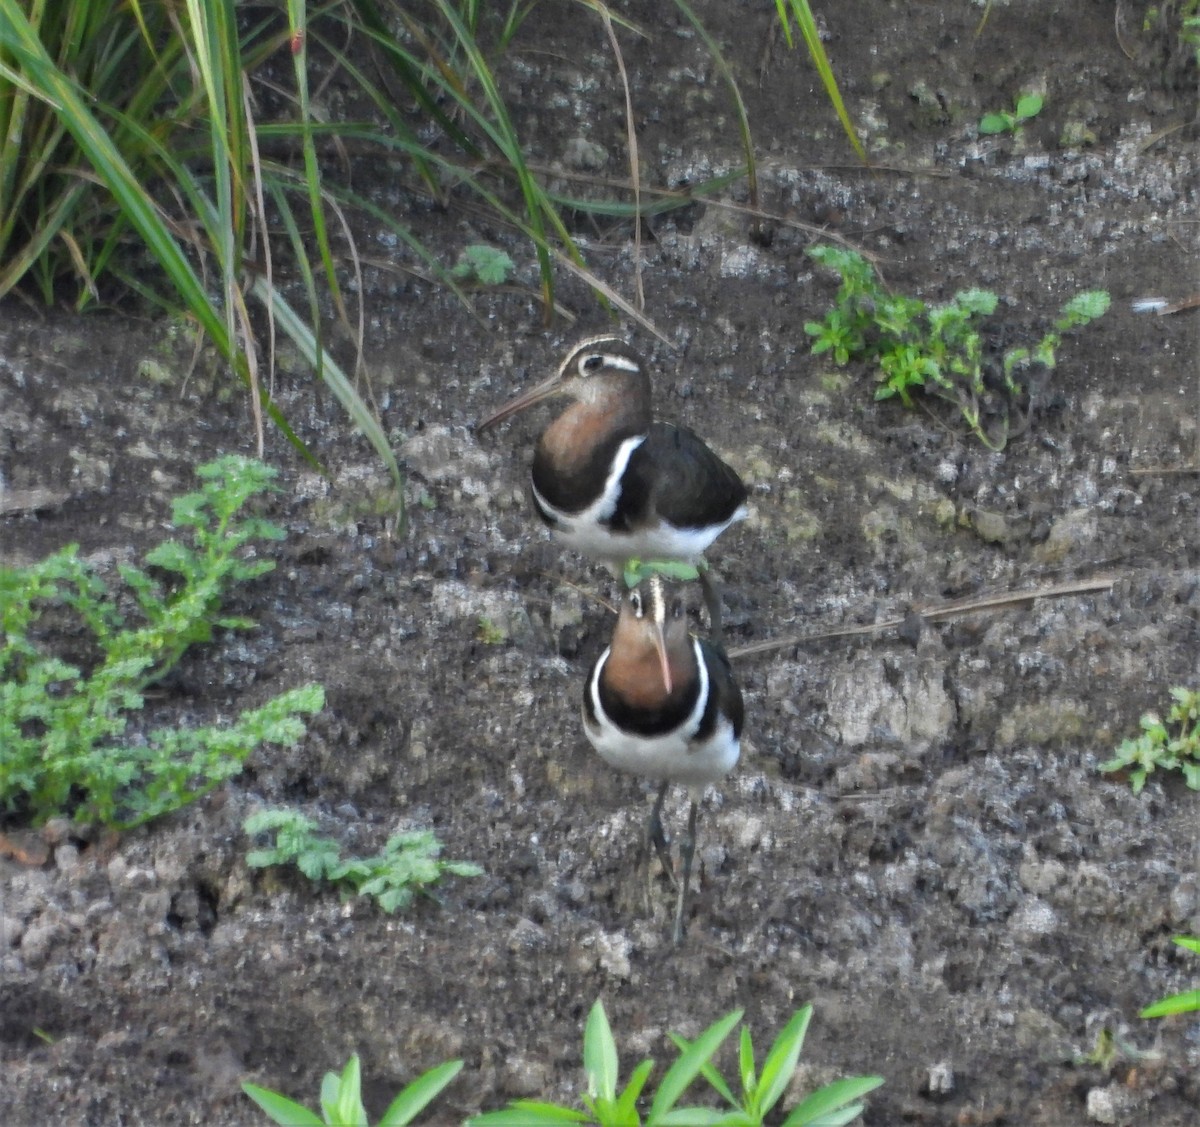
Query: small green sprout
column 1026, row 107
column 341, row 1099
column 1171, row 746
column 489, row 266
column 1189, row 1000
column 409, row 864
column 489, row 633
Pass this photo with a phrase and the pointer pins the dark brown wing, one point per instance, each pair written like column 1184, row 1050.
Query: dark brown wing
column 673, row 475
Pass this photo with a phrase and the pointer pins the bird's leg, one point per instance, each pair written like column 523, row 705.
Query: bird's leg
column 687, row 848
column 656, row 836
column 712, row 603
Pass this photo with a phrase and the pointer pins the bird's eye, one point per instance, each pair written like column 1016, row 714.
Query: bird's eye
column 635, row 601
column 592, row 363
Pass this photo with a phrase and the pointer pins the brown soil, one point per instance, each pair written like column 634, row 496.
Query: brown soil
column 917, row 839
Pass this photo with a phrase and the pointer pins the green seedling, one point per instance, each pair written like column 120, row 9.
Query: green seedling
column 1189, row 1000
column 341, row 1099
column 1026, row 107
column 489, row 633
column 936, row 350
column 486, row 265
column 833, row 1105
column 1170, row 746
column 1110, row 1049
column 409, row 864
column 603, row 1105
column 62, row 723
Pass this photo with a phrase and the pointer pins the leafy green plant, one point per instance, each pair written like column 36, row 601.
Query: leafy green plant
column 1026, row 107
column 489, row 633
column 489, row 266
column 1189, row 1000
column 1170, row 746
column 341, row 1099
column 939, row 349
column 603, row 1104
column 62, row 729
column 833, row 1105
column 409, row 864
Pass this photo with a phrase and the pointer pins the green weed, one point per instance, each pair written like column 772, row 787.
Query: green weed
column 489, row 633
column 1171, row 746
column 62, row 729
column 341, row 1099
column 833, row 1105
column 605, row 1106
column 1026, row 107
column 489, row 266
column 409, row 863
column 1189, row 1000
column 937, row 349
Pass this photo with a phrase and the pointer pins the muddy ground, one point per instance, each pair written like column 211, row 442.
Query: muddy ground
column 917, row 839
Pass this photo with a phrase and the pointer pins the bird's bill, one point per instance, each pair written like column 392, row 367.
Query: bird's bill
column 660, row 647
column 525, row 399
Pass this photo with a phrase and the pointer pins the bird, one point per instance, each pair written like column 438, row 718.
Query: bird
column 616, row 485
column 662, row 703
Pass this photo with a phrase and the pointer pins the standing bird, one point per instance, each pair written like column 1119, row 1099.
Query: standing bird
column 614, row 484
column 663, row 704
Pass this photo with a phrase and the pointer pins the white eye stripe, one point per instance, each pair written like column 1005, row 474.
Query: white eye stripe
column 599, row 361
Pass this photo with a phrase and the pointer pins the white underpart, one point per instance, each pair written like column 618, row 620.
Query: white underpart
column 674, row 755
column 584, row 531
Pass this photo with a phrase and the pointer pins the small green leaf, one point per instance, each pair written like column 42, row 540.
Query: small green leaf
column 599, row 1055
column 1029, row 105
column 781, row 1061
column 1187, row 1002
column 684, row 1069
column 817, row 1109
column 417, row 1095
column 283, row 1111
column 996, row 123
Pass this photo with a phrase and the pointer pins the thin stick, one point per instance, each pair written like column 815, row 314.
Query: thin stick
column 940, row 612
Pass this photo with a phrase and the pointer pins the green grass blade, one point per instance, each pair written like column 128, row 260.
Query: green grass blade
column 816, row 50
column 685, row 1067
column 353, row 404
column 739, row 106
column 283, row 1111
column 599, row 1054
column 817, row 1109
column 1186, row 1002
column 781, row 1061
column 417, row 1095
column 63, row 94
column 312, row 168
